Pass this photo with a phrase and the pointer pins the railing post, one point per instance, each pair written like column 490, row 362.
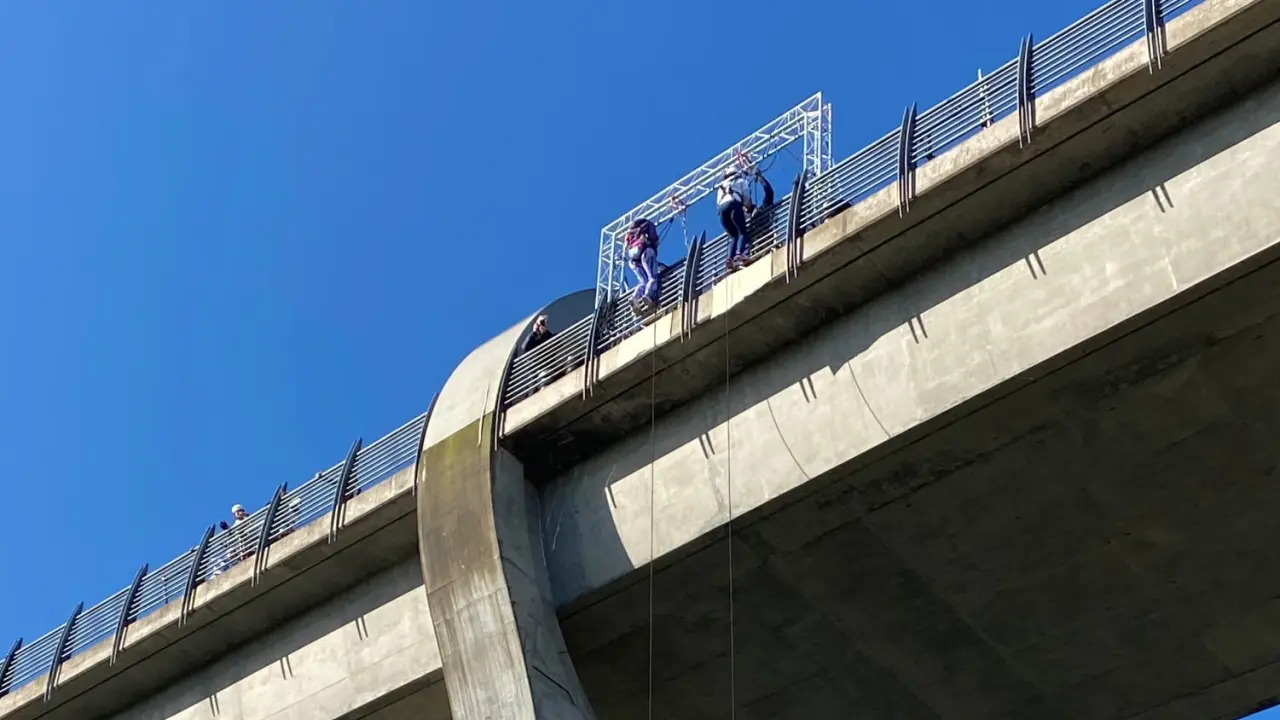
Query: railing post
column 340, row 491
column 59, row 651
column 117, row 638
column 986, row 101
column 589, row 359
column 906, row 164
column 689, row 318
column 264, row 535
column 193, row 577
column 1154, row 24
column 7, row 664
column 1026, row 93
column 793, row 225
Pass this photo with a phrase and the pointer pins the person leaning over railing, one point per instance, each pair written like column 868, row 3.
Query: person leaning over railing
column 239, row 544
column 538, row 335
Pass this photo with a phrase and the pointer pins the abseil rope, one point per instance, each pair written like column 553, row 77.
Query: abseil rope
column 653, row 371
column 728, row 433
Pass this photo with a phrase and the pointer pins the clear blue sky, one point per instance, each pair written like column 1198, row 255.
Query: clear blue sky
column 236, row 235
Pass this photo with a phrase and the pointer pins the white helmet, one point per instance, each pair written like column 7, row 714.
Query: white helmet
column 236, row 508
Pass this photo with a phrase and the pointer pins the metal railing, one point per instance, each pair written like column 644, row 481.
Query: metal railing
column 172, row 581
column 1006, row 91
column 1011, row 89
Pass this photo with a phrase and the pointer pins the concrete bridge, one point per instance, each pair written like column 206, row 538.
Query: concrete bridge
column 1009, row 454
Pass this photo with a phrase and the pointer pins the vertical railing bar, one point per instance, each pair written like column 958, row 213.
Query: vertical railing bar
column 688, row 295
column 117, row 638
column 1026, row 100
column 794, row 237
column 905, row 165
column 264, row 535
column 58, row 651
column 193, row 577
column 792, row 214
column 7, row 664
column 1154, row 25
column 986, row 101
column 590, row 360
column 340, row 491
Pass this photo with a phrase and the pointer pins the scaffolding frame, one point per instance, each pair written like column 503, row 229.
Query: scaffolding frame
column 809, row 122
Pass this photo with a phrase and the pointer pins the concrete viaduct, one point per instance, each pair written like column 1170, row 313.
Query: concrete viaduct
column 1011, row 454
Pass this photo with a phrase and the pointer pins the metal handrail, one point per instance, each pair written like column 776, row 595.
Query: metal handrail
column 374, row 464
column 1055, row 59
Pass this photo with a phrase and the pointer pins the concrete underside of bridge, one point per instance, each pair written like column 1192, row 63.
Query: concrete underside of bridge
column 1091, row 537
column 1101, row 543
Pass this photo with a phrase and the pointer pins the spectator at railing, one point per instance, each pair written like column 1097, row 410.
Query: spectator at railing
column 291, row 512
column 538, row 335
column 239, row 544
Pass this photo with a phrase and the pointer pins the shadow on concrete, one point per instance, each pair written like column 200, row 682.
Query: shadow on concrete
column 1089, row 561
column 276, row 644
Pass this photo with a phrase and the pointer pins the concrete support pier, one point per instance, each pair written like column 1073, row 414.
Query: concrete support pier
column 482, row 557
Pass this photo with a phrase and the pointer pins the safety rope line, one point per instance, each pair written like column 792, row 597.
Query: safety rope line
column 728, row 431
column 653, row 419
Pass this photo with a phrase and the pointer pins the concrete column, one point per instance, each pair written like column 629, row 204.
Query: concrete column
column 486, row 581
column 481, row 546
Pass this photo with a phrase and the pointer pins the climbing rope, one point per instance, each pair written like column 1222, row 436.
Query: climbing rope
column 680, row 209
column 653, row 422
column 728, row 432
column 653, row 419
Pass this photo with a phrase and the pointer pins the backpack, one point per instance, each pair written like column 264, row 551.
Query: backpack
column 642, row 233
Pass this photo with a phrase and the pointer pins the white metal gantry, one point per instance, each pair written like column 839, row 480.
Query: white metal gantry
column 809, row 122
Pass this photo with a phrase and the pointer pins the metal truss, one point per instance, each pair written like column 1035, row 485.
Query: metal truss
column 809, row 122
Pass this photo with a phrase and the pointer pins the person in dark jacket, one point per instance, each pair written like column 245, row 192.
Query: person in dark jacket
column 538, row 335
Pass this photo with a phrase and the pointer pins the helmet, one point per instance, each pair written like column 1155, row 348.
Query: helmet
column 236, row 508
column 730, row 172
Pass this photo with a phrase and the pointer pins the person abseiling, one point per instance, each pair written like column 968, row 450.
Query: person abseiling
column 733, row 202
column 641, row 242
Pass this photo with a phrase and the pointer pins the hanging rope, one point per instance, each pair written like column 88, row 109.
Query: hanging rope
column 653, row 372
column 680, row 209
column 728, row 432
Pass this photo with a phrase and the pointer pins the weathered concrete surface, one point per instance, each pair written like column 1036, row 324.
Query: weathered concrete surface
column 1218, row 51
column 1036, row 481
column 303, row 570
column 368, row 653
column 482, row 558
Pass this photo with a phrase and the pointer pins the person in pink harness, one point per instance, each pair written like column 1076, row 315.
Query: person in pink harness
column 641, row 243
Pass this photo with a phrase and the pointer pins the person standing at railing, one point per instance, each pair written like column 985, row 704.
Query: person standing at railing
column 733, row 203
column 641, row 243
column 538, row 335
column 238, row 546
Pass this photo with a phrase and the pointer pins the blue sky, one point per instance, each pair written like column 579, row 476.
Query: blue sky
column 237, row 235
